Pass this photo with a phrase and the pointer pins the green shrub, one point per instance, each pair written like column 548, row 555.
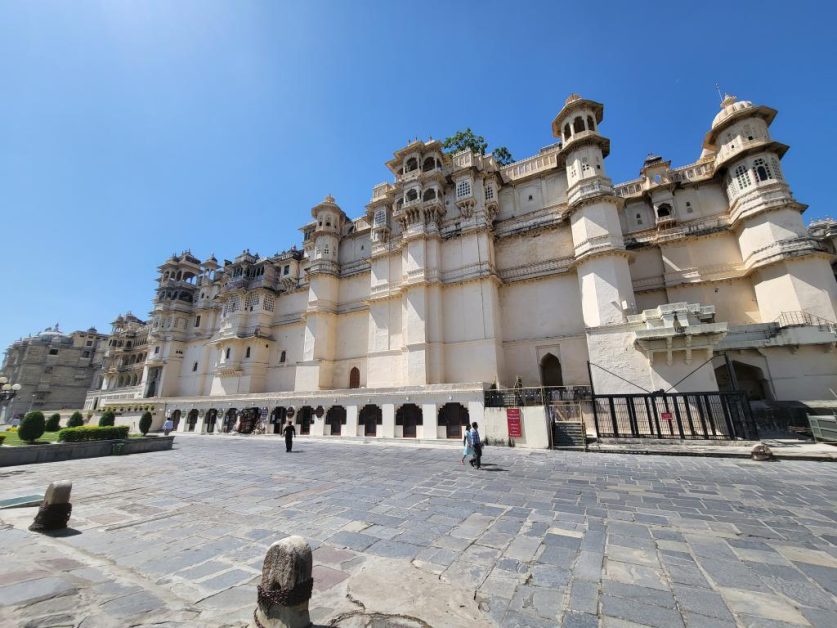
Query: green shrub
column 76, row 420
column 145, row 423
column 87, row 433
column 2, row 438
column 32, row 427
column 53, row 423
column 107, row 419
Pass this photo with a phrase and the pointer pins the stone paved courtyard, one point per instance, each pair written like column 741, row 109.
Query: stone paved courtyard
column 534, row 539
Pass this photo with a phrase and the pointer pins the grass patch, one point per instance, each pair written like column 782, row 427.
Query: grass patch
column 13, row 440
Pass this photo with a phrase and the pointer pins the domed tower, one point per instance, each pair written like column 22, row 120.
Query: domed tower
column 314, row 372
column 790, row 271
column 602, row 262
column 329, row 221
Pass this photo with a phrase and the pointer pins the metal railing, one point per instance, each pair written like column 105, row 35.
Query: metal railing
column 683, row 416
column 541, row 396
column 802, row 318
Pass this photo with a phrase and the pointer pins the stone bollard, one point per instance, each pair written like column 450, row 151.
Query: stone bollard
column 54, row 512
column 286, row 585
column 761, row 452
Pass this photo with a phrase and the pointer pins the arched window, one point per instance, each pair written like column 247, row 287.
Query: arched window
column 429, row 194
column 590, row 126
column 247, row 353
column 578, row 125
column 411, row 195
column 742, row 176
column 664, row 211
column 567, row 131
column 412, row 164
column 551, row 374
column 282, row 358
column 762, row 169
column 429, row 164
column 354, row 377
column 227, row 354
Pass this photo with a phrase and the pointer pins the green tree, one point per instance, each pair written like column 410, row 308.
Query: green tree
column 502, row 156
column 53, row 424
column 145, row 423
column 463, row 140
column 32, row 427
column 76, row 420
column 107, row 419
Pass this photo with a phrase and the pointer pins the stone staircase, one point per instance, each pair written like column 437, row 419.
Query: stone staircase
column 566, row 435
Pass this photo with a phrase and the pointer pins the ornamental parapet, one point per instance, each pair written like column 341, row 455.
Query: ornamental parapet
column 763, row 197
column 594, row 188
column 782, row 250
column 677, row 327
column 599, row 244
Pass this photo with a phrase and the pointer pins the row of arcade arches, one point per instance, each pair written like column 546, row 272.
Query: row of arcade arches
column 453, row 417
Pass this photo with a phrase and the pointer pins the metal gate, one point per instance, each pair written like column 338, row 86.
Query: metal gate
column 709, row 415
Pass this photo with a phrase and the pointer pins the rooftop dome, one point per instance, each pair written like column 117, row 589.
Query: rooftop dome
column 729, row 106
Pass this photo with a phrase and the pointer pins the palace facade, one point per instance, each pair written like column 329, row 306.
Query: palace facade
column 463, row 274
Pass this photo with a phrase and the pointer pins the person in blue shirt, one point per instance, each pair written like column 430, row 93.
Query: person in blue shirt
column 476, row 443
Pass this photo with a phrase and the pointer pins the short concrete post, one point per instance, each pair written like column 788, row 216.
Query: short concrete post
column 286, row 585
column 54, row 511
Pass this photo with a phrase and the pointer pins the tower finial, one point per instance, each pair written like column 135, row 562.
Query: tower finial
column 718, row 88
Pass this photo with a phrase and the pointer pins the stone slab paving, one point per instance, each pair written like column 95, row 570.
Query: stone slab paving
column 535, row 538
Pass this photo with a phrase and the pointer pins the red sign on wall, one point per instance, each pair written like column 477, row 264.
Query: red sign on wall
column 513, row 418
column 665, row 416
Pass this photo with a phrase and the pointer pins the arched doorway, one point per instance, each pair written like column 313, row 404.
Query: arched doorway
column 354, row 378
column 229, row 420
column 551, row 374
column 370, row 418
column 277, row 419
column 210, row 419
column 191, row 420
column 247, row 424
column 175, row 419
column 453, row 416
column 750, row 379
column 409, row 416
column 304, row 418
column 336, row 418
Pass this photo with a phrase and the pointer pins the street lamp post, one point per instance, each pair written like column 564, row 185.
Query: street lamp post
column 8, row 392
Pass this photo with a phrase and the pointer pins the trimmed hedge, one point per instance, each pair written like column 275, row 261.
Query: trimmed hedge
column 76, row 420
column 53, row 423
column 107, row 419
column 32, row 427
column 80, row 434
column 145, row 423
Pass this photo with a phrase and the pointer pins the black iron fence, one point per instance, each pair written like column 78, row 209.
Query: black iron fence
column 710, row 415
column 542, row 396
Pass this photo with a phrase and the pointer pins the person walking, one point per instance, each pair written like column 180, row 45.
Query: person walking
column 476, row 443
column 167, row 426
column 466, row 442
column 289, row 431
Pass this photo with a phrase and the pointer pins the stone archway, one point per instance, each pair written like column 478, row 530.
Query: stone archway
column 249, row 418
column 370, row 418
column 278, row 418
column 551, row 374
column 354, row 377
column 229, row 420
column 409, row 417
column 191, row 420
column 336, row 418
column 454, row 416
column 175, row 419
column 750, row 379
column 304, row 418
column 210, row 419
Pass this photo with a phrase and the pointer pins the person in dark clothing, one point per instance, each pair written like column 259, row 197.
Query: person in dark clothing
column 289, row 431
column 476, row 443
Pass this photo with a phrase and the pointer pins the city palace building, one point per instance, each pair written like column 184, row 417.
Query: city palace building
column 464, row 275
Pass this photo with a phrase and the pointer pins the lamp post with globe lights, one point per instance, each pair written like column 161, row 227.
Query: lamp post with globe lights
column 8, row 391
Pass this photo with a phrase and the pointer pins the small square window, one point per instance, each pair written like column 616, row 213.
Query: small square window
column 530, row 197
column 53, row 351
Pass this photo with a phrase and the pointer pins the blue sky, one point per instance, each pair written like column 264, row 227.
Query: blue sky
column 130, row 130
